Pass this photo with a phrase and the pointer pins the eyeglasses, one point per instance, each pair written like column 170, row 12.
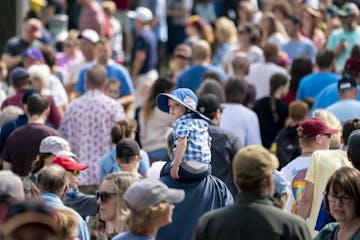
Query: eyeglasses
column 343, row 199
column 104, row 196
column 74, row 172
column 181, row 57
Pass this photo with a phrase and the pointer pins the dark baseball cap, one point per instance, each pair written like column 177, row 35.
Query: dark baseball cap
column 312, row 127
column 208, row 104
column 18, row 73
column 346, row 83
column 127, row 148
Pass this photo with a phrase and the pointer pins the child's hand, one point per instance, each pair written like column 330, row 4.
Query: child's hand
column 174, row 172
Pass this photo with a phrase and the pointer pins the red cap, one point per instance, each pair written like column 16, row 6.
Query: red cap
column 68, row 163
column 312, row 127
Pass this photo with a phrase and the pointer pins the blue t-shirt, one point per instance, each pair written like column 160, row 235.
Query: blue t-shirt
column 146, row 41
column 113, row 70
column 109, row 165
column 327, row 96
column 192, row 76
column 312, row 84
column 131, row 236
column 300, row 48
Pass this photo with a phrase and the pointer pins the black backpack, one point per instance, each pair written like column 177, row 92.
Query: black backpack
column 286, row 145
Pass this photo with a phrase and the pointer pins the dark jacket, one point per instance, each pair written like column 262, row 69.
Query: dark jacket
column 252, row 216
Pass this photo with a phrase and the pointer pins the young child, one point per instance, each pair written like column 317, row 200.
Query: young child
column 113, row 88
column 192, row 152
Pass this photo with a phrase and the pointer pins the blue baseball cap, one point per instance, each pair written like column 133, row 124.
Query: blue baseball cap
column 282, row 185
column 184, row 96
column 18, row 73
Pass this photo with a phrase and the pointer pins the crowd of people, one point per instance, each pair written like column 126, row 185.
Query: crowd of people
column 181, row 119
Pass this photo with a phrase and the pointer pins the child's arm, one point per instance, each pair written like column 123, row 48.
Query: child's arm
column 180, row 151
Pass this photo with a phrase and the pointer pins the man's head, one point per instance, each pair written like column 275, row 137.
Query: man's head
column 32, row 29
column 313, row 133
column 353, row 151
column 128, row 154
column 252, row 169
column 235, row 90
column 52, row 179
column 103, row 51
column 349, row 15
column 209, row 105
column 11, row 186
column 271, row 52
column 201, row 51
column 325, row 59
column 37, row 105
column 347, row 87
column 96, row 77
column 88, row 39
column 141, row 16
column 72, row 169
column 241, row 64
column 349, row 126
column 292, row 25
column 19, row 78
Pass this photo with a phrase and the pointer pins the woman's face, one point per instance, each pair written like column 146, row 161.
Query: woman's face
column 306, row 19
column 108, row 207
column 73, row 179
column 37, row 83
column 166, row 216
column 342, row 206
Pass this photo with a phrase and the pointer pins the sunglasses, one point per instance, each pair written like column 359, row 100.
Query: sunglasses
column 104, row 196
column 74, row 172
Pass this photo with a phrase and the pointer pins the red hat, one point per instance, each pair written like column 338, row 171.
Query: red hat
column 68, row 163
column 312, row 127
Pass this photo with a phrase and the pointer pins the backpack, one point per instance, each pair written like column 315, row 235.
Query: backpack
column 286, row 145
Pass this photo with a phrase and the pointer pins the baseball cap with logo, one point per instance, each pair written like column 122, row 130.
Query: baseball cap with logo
column 142, row 14
column 150, row 192
column 347, row 82
column 312, row 127
column 56, row 146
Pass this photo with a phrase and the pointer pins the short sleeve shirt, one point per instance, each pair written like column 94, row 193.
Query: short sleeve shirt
column 196, row 132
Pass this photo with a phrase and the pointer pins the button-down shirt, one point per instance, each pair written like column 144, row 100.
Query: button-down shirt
column 86, row 125
column 54, row 201
column 196, row 132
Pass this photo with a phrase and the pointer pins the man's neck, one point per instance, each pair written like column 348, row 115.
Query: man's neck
column 36, row 119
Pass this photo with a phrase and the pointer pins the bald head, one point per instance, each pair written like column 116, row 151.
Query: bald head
column 52, row 179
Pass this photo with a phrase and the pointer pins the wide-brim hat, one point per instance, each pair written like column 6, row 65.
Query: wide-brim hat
column 184, row 96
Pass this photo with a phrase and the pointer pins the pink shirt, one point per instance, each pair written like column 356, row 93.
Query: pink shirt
column 86, row 125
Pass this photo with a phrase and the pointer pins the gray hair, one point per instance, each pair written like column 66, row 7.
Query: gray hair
column 11, row 185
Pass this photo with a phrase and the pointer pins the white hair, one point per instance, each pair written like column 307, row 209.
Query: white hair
column 11, row 184
column 42, row 72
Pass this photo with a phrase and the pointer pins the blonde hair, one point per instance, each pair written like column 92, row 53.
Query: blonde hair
column 68, row 223
column 333, row 122
column 227, row 29
column 140, row 222
column 121, row 182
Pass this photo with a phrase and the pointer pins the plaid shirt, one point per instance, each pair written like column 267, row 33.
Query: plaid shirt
column 198, row 139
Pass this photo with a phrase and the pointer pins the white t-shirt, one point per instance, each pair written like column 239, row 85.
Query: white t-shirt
column 295, row 172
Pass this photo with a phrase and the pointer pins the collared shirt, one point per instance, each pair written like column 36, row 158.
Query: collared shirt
column 198, row 139
column 54, row 201
column 86, row 125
